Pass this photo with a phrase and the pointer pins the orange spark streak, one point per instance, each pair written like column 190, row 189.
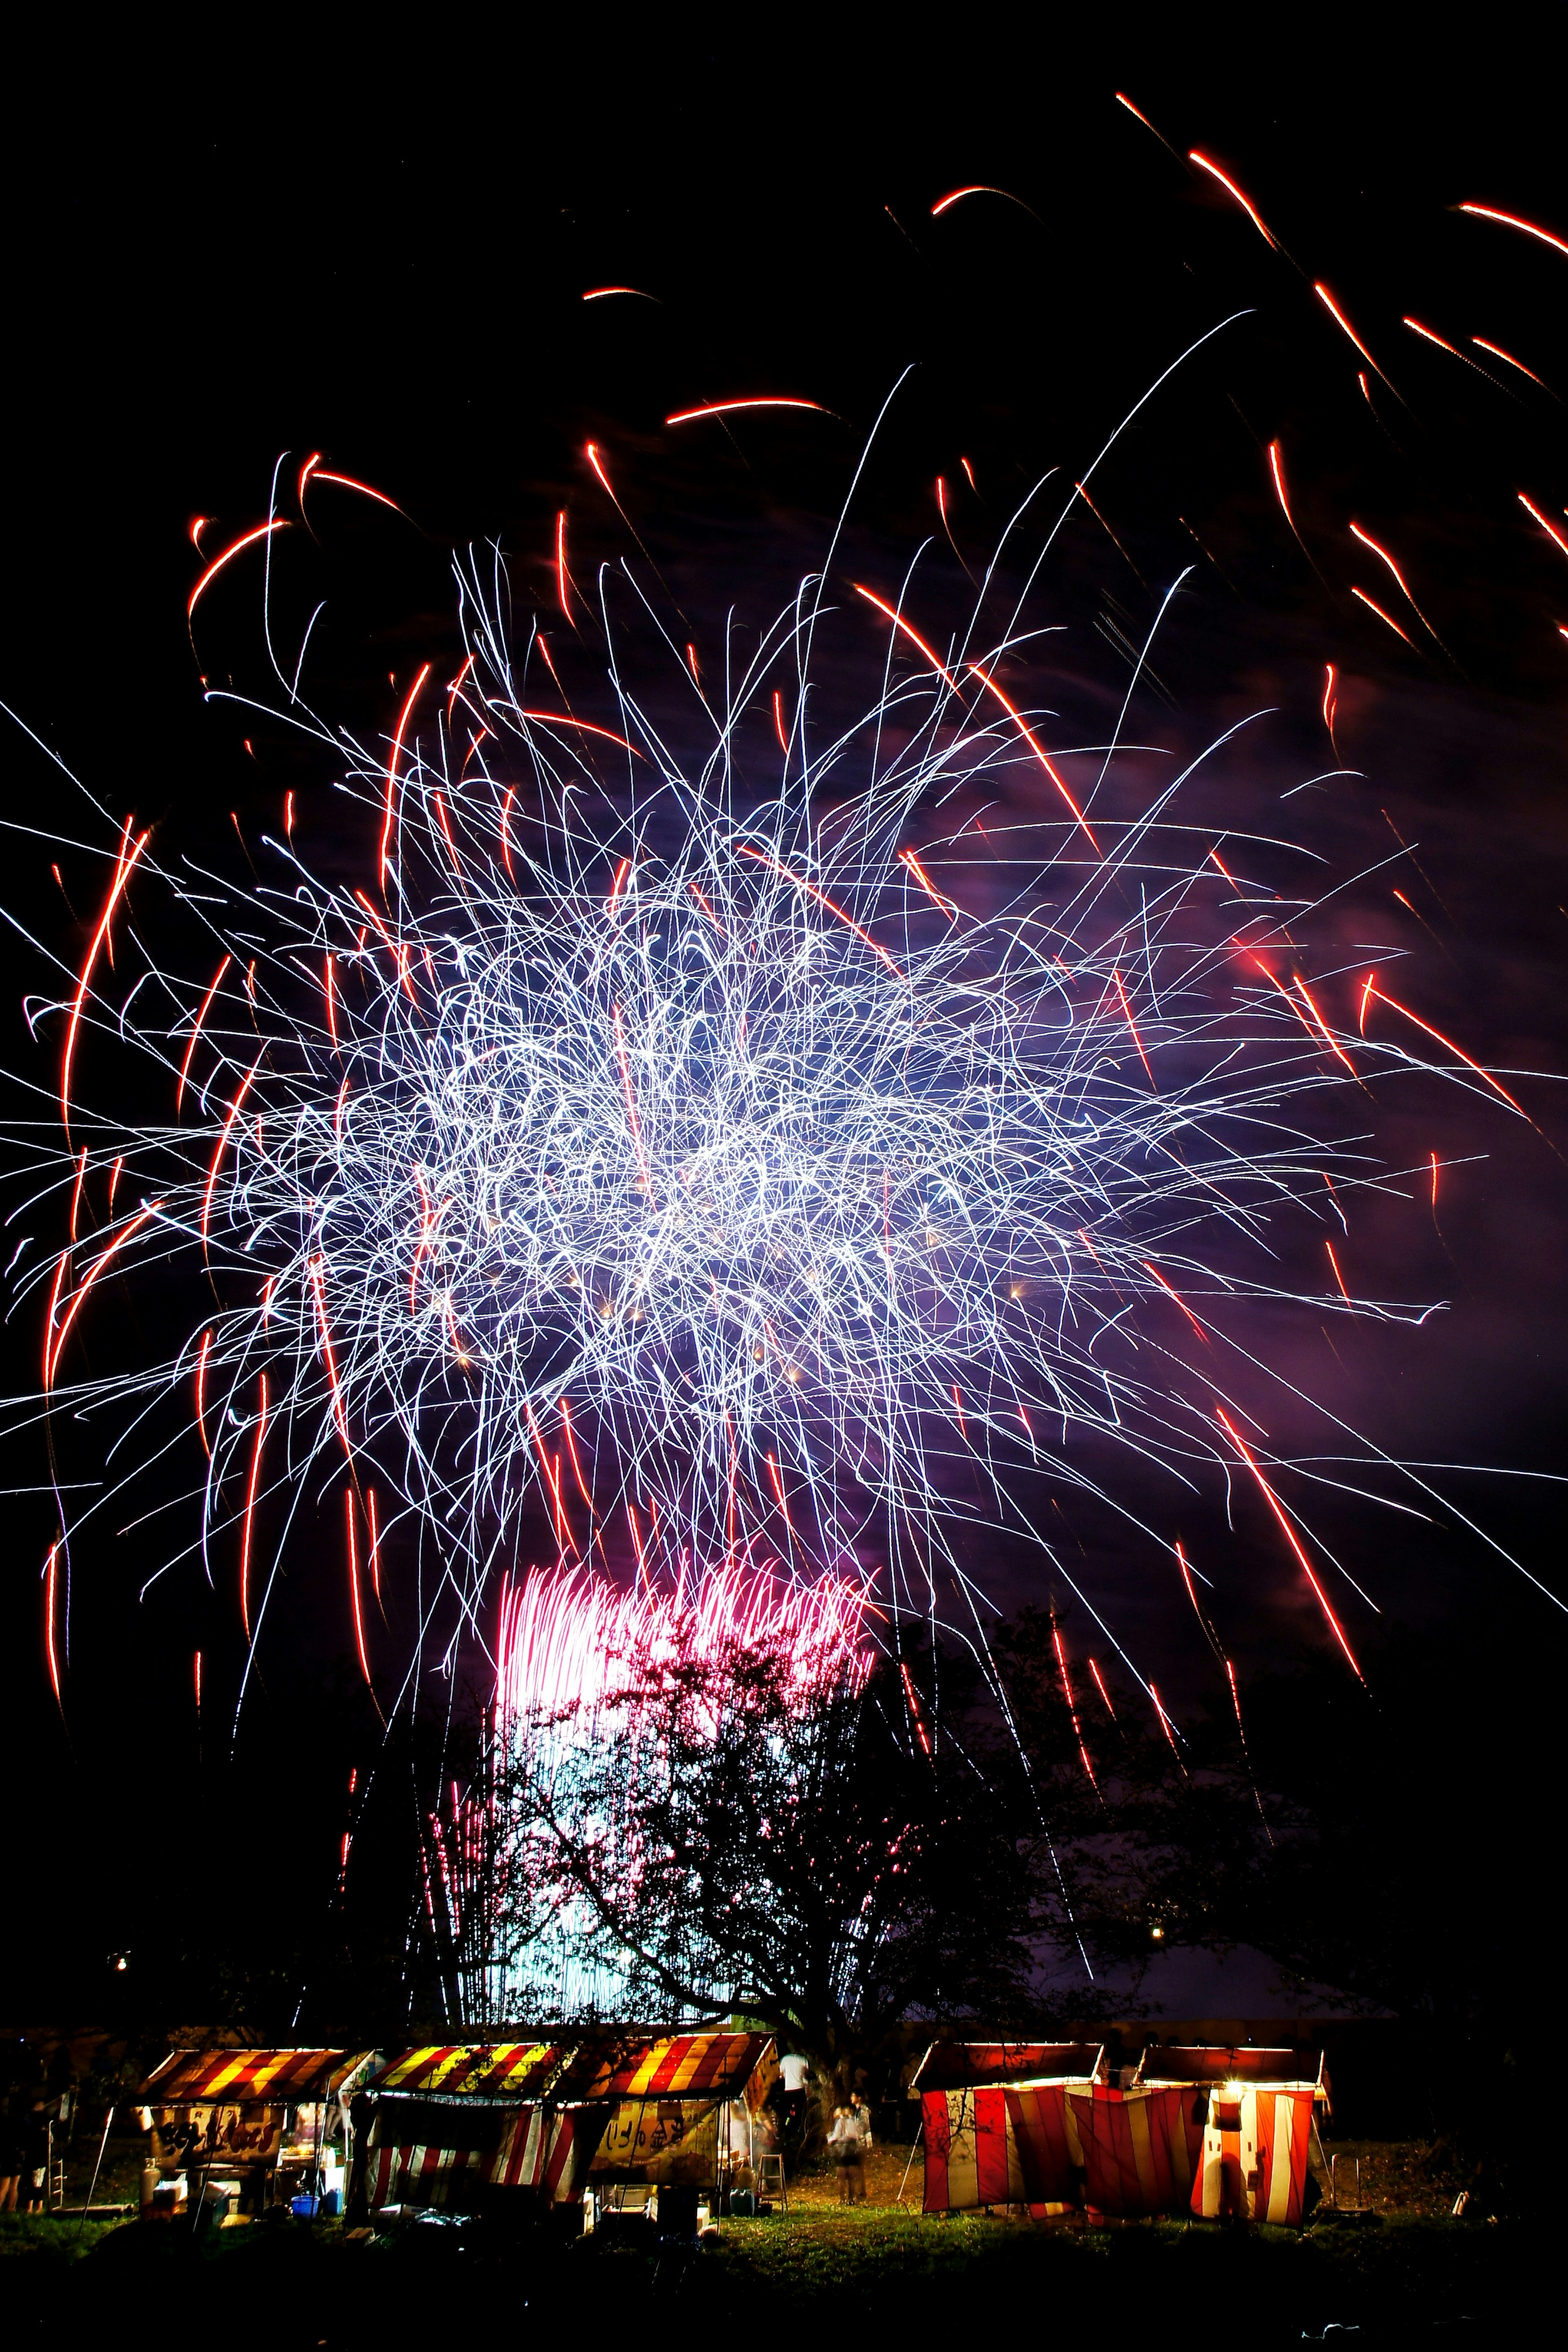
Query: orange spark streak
column 636, row 1542
column 1017, row 718
column 1181, row 1302
column 52, row 1357
column 1289, row 1534
column 823, row 899
column 584, row 726
column 447, row 830
column 353, row 1583
column 1278, row 470
column 1225, row 871
column 1497, row 352
column 592, row 454
column 1511, row 220
column 1391, row 623
column 123, row 865
column 1231, row 189
column 1072, row 1704
column 223, row 1146
column 1164, row 1723
column 945, row 906
column 645, row 1180
column 249, row 538
column 597, row 293
column 778, row 1489
column 562, row 574
column 1416, row 328
column 571, row 1450
column 552, row 1481
column 778, row 723
column 1330, row 701
column 727, row 407
column 201, row 1392
column 914, row 1707
column 49, row 1652
column 455, row 687
column 1127, row 1015
column 347, row 482
column 1372, row 990
column 250, row 1512
column 327, row 991
column 414, row 692
column 914, row 636
column 958, row 1408
column 1549, row 528
column 1100, row 1684
column 707, row 909
column 505, row 832
column 1365, row 998
column 1434, row 1180
column 319, row 1294
column 622, row 870
column 374, row 1544
column 1327, row 300
column 1339, row 1277
column 1328, row 1038
column 76, row 1190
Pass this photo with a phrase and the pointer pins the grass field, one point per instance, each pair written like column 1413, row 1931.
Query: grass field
column 1404, row 2275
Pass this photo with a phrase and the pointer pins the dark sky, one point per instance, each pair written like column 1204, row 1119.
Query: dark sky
column 385, row 261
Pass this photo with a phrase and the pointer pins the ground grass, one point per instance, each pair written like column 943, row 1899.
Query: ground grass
column 1405, row 2276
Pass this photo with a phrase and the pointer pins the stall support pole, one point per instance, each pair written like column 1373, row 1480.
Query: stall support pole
column 96, row 2169
column 910, row 2166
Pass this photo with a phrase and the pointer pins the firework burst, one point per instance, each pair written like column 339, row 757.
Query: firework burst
column 773, row 1152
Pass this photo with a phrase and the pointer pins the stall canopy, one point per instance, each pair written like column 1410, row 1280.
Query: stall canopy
column 998, row 2126
column 1248, row 2114
column 673, row 2114
column 233, row 2105
column 452, row 2120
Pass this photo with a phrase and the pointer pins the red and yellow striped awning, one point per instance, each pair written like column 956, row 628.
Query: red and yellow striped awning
column 248, row 2077
column 594, row 2068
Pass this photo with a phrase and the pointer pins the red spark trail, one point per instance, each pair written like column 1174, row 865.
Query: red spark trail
column 572, row 1452
column 1164, row 1723
column 1230, row 188
column 318, row 1294
column 1339, row 1277
column 1278, row 470
column 1127, row 1015
column 1385, row 617
column 1328, row 303
column 562, row 574
column 1372, row 989
column 727, row 407
column 250, row 1512
column 943, row 906
column 1383, row 556
column 1072, row 1703
column 1549, row 528
column 585, row 726
column 123, row 865
column 1181, row 1302
column 1328, row 1038
column 49, row 1579
column 347, row 482
column 414, row 693
column 52, row 1354
column 823, row 899
column 223, row 1146
column 505, row 832
column 1017, row 718
column 1497, row 352
column 1511, row 220
column 248, row 539
column 1289, row 1534
column 1100, row 1686
column 644, row 1178
column 201, row 1392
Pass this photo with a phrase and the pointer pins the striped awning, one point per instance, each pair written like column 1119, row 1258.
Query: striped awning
column 587, row 2068
column 506, row 2070
column 691, row 2066
column 246, row 2077
column 970, row 2065
column 1206, row 2066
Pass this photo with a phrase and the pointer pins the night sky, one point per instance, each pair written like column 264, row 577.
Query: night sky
column 307, row 254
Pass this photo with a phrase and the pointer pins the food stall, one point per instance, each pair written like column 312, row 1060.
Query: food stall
column 998, row 2126
column 1250, row 2114
column 240, row 2130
